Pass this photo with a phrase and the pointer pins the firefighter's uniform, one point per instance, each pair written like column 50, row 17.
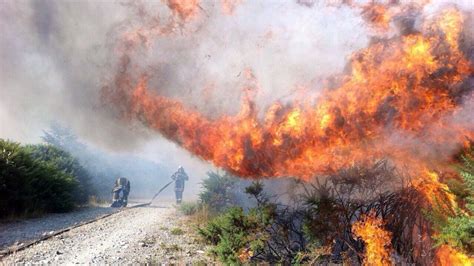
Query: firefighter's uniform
column 179, row 178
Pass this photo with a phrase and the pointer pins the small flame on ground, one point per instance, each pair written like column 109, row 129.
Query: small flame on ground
column 377, row 240
column 447, row 256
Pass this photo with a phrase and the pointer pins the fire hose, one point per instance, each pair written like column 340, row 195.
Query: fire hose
column 156, row 195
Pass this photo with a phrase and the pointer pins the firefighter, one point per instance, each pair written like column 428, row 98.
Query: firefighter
column 179, row 178
column 120, row 192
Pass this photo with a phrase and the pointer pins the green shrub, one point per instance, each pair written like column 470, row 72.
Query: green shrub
column 65, row 162
column 229, row 233
column 217, row 191
column 29, row 185
column 458, row 230
column 189, row 208
column 466, row 171
column 237, row 235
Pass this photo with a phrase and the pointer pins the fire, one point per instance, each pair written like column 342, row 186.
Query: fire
column 448, row 256
column 394, row 102
column 450, row 24
column 389, row 90
column 376, row 238
column 437, row 193
column 377, row 15
column 185, row 9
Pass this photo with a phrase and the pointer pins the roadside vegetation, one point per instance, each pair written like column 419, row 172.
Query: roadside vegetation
column 245, row 222
column 62, row 173
column 36, row 179
column 68, row 164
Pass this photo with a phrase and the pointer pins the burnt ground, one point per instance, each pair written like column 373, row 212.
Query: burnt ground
column 151, row 234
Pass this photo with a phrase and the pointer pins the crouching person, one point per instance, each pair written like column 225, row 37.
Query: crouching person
column 120, row 192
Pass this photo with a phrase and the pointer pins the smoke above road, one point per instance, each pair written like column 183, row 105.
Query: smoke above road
column 57, row 56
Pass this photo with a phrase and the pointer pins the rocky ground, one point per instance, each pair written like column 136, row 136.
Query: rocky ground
column 151, row 234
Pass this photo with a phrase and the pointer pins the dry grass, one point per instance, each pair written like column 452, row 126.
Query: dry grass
column 201, row 216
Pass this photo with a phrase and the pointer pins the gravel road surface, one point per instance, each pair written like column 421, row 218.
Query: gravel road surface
column 20, row 232
column 151, row 234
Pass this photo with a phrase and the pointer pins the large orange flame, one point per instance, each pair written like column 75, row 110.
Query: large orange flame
column 400, row 88
column 376, row 239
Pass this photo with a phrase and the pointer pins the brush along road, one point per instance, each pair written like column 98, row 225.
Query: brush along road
column 135, row 235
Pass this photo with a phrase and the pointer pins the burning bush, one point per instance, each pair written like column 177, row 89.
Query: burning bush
column 357, row 215
column 457, row 229
column 340, row 212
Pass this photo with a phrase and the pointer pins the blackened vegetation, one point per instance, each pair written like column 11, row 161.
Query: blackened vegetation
column 332, row 206
column 315, row 225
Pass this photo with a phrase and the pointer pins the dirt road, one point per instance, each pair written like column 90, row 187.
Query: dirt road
column 153, row 234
